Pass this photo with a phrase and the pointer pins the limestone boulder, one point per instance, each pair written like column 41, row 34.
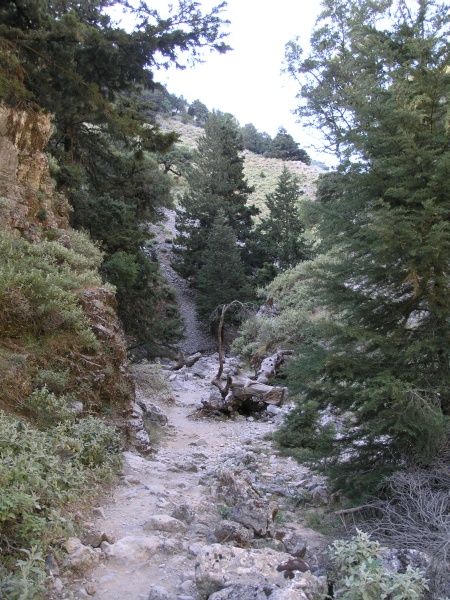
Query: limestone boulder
column 230, row 532
column 233, row 488
column 82, row 560
column 220, row 566
column 164, row 523
column 131, row 550
column 256, row 514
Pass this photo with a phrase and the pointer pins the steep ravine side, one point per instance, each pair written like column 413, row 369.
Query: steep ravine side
column 41, row 334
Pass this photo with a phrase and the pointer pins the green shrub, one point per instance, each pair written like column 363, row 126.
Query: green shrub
column 46, row 408
column 360, row 574
column 38, row 285
column 41, row 472
column 27, row 583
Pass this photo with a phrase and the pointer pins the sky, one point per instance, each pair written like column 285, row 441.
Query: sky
column 247, row 81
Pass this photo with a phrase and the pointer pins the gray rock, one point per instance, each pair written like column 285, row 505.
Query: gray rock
column 232, row 532
column 132, row 549
column 152, row 412
column 164, row 523
column 81, row 561
column 256, row 514
column 219, row 567
column 304, row 588
column 268, row 543
column 244, row 592
column 78, row 407
column 319, row 495
column 295, row 544
column 95, row 537
column 273, row 410
column 99, row 512
column 51, row 566
column 160, row 593
column 183, row 513
column 233, row 487
column 72, row 544
column 136, row 411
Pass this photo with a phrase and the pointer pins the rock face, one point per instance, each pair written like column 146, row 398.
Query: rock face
column 31, row 209
column 29, row 205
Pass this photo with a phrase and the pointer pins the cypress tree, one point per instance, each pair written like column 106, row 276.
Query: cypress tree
column 221, row 278
column 280, row 233
column 216, row 182
column 380, row 352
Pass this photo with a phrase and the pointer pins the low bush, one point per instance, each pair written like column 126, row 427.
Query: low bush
column 41, row 473
column 360, row 574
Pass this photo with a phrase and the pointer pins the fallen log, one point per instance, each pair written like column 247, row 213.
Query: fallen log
column 239, row 389
column 269, row 365
column 186, row 362
column 244, row 388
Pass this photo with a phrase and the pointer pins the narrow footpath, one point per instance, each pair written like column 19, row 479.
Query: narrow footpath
column 173, row 508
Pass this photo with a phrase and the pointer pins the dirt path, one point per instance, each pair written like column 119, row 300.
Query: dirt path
column 154, row 556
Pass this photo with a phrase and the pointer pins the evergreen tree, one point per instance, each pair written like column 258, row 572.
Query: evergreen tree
column 280, row 233
column 216, row 181
column 221, row 278
column 285, row 147
column 199, row 112
column 253, row 140
column 70, row 59
column 380, row 94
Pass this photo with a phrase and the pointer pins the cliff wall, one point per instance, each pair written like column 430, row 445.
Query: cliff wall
column 59, row 324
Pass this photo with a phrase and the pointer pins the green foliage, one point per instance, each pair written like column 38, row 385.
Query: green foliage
column 150, row 379
column 221, row 278
column 375, row 81
column 95, row 79
column 278, row 239
column 255, row 141
column 47, row 409
column 303, row 435
column 360, row 573
column 43, row 471
column 28, row 581
column 285, row 147
column 38, row 288
column 216, row 182
column 199, row 112
column 147, row 307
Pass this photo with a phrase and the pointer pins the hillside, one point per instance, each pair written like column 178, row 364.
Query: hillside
column 261, row 172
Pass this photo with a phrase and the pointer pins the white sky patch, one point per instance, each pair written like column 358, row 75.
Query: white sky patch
column 247, row 81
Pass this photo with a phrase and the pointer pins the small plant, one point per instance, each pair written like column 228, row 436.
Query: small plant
column 47, row 409
column 27, row 582
column 52, row 234
column 224, row 511
column 42, row 214
column 150, row 378
column 360, row 574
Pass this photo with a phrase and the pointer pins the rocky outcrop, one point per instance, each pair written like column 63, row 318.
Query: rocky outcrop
column 28, row 204
column 31, row 209
column 230, row 570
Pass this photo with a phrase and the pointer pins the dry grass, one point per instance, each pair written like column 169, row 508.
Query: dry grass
column 261, row 173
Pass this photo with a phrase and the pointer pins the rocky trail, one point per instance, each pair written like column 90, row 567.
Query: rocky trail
column 213, row 513
column 210, row 511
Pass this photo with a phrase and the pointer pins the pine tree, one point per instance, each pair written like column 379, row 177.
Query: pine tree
column 280, row 233
column 380, row 95
column 285, row 147
column 70, row 59
column 216, row 181
column 221, row 278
